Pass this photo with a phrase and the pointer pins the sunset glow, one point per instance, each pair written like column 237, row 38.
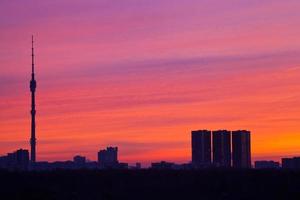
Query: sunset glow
column 142, row 74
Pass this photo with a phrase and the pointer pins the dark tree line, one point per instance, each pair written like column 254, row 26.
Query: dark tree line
column 151, row 184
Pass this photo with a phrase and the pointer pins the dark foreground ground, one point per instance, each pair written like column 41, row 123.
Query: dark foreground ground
column 146, row 184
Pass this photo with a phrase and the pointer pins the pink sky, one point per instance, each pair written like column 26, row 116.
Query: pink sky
column 142, row 74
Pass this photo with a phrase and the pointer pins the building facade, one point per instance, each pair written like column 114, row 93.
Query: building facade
column 291, row 163
column 108, row 157
column 79, row 161
column 221, row 148
column 241, row 149
column 201, row 148
column 18, row 160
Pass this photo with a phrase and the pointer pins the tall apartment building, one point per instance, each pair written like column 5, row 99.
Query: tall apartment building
column 221, row 148
column 241, row 149
column 201, row 148
column 108, row 157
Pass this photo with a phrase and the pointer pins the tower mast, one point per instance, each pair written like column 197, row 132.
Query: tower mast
column 33, row 111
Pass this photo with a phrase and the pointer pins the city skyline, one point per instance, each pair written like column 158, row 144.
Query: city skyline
column 143, row 87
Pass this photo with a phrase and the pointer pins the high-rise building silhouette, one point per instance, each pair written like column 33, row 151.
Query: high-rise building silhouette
column 241, row 149
column 108, row 157
column 22, row 158
column 221, row 148
column 17, row 160
column 33, row 111
column 201, row 148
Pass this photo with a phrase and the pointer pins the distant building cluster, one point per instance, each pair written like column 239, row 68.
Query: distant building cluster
column 286, row 163
column 107, row 159
column 291, row 163
column 210, row 149
column 224, row 149
column 266, row 164
column 18, row 160
column 221, row 148
column 163, row 165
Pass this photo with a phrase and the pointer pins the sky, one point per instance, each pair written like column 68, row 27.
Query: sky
column 141, row 74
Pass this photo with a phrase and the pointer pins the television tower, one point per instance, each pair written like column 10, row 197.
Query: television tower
column 33, row 111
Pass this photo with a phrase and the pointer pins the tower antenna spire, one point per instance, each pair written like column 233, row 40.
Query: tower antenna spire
column 32, row 55
column 33, row 111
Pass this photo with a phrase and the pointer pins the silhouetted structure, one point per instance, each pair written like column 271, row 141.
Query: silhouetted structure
column 221, row 148
column 18, row 160
column 108, row 158
column 69, row 165
column 162, row 165
column 33, row 111
column 121, row 165
column 290, row 163
column 201, row 148
column 287, row 163
column 138, row 166
column 266, row 164
column 241, row 149
column 79, row 161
